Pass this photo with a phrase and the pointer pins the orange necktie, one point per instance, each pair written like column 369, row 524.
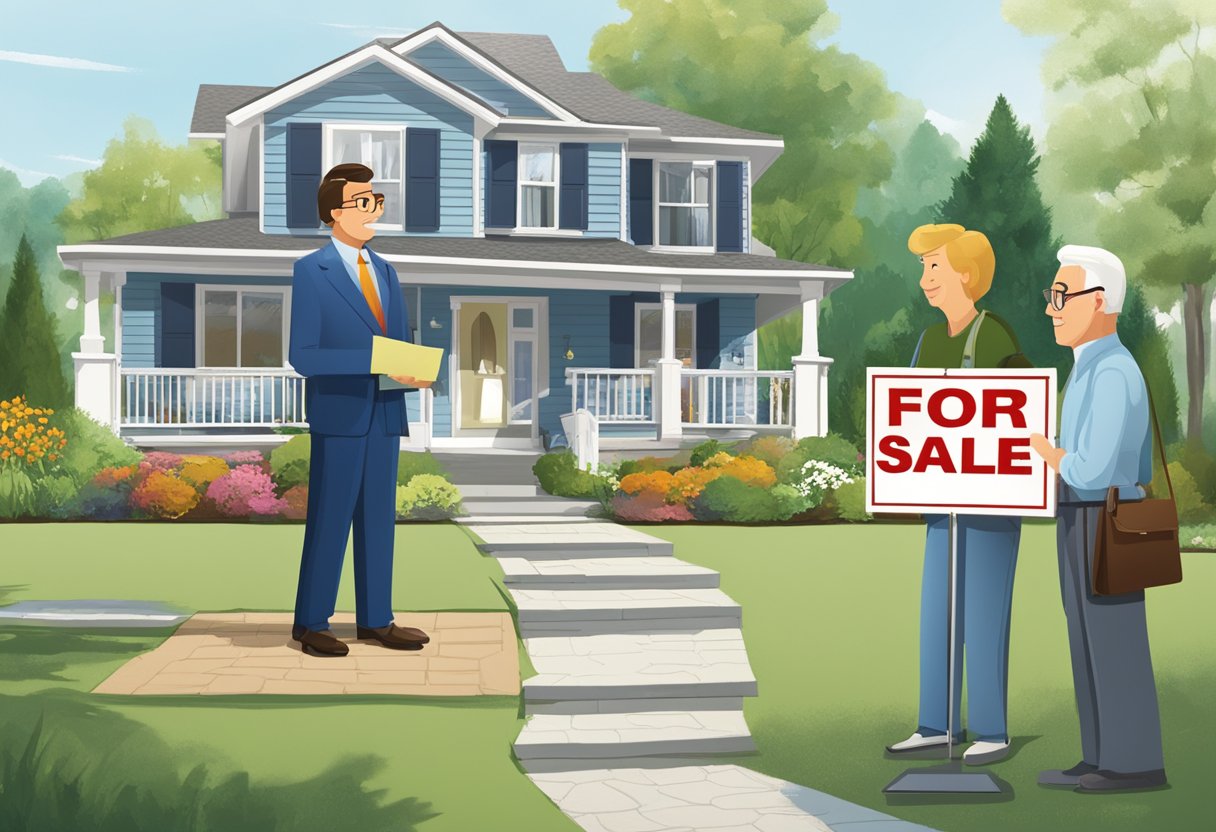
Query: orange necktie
column 369, row 292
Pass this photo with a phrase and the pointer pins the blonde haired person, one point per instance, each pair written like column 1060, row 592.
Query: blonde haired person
column 957, row 270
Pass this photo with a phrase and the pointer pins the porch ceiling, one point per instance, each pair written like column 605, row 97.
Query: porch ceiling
column 237, row 246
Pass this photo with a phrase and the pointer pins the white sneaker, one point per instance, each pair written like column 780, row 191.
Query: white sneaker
column 981, row 753
column 916, row 742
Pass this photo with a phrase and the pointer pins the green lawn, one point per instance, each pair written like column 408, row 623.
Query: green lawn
column 368, row 763
column 830, row 617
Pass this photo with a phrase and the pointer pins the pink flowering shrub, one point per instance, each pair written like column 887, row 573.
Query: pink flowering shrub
column 158, row 461
column 246, row 489
column 647, row 507
column 243, row 458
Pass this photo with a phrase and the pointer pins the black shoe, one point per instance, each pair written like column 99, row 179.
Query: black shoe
column 1103, row 780
column 320, row 643
column 1069, row 777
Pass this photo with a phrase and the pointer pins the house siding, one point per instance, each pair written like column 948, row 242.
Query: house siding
column 375, row 94
column 747, row 207
column 445, row 63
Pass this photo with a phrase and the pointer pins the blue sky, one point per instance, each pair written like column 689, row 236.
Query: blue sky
column 72, row 70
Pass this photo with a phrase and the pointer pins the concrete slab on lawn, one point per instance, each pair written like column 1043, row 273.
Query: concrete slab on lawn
column 470, row 654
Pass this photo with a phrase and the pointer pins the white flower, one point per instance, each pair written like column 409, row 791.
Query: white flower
column 1196, row 541
column 819, row 476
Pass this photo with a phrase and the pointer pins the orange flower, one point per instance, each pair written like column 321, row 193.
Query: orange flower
column 750, row 470
column 655, row 482
column 690, row 482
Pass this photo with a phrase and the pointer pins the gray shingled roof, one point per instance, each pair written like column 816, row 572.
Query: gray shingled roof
column 243, row 233
column 533, row 59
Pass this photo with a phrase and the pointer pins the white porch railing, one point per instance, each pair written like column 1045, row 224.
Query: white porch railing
column 726, row 398
column 206, row 397
column 612, row 396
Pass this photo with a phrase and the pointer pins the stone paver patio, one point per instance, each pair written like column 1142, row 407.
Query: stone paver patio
column 470, row 654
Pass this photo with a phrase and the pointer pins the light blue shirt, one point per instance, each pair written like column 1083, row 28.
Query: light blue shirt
column 350, row 257
column 1104, row 424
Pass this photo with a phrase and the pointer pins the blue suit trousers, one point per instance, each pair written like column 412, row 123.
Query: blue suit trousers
column 352, row 480
column 987, row 558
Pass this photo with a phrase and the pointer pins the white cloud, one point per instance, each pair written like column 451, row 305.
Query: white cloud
column 67, row 157
column 59, row 62
column 28, row 177
column 943, row 122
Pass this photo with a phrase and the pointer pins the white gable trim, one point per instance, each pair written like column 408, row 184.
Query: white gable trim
column 437, row 33
column 372, row 53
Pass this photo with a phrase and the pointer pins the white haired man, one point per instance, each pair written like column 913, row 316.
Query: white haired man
column 1104, row 442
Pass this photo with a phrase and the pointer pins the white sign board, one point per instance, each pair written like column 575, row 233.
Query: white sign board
column 943, row 441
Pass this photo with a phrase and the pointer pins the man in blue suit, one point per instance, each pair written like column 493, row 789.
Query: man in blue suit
column 342, row 295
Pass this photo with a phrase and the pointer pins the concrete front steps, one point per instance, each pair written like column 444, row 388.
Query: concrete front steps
column 637, row 654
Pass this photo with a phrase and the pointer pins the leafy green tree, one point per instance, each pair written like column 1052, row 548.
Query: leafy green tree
column 31, row 365
column 759, row 64
column 1134, row 136
column 1139, row 333
column 997, row 194
column 144, row 184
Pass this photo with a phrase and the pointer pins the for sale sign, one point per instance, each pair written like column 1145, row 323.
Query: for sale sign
column 943, row 441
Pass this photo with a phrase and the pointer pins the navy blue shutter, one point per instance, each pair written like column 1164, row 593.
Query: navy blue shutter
column 641, row 201
column 421, row 179
column 708, row 343
column 730, row 206
column 573, row 198
column 620, row 331
column 177, row 325
column 501, row 171
column 303, row 174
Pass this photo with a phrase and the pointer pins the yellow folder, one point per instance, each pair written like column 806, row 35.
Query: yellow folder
column 401, row 358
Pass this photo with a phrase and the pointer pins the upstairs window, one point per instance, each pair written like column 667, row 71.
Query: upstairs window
column 380, row 148
column 684, row 216
column 538, row 186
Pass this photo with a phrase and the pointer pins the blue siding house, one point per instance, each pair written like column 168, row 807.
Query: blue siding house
column 569, row 246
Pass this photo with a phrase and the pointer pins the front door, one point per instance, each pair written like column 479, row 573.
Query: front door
column 496, row 360
column 648, row 330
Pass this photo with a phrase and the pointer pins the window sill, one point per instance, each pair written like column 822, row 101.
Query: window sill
column 680, row 249
column 536, row 232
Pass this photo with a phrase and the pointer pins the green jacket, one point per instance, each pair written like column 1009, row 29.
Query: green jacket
column 996, row 345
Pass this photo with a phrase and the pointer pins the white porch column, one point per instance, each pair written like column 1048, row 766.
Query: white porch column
column 95, row 370
column 667, row 374
column 810, row 370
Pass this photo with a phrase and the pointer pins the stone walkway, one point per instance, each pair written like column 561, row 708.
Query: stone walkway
column 470, row 654
column 640, row 665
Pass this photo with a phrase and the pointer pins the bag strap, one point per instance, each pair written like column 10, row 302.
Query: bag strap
column 1152, row 410
column 969, row 347
column 916, row 352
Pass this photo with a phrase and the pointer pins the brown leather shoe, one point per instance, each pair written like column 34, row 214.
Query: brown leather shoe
column 320, row 643
column 397, row 638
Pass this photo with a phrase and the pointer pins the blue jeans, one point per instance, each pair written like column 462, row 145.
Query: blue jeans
column 987, row 557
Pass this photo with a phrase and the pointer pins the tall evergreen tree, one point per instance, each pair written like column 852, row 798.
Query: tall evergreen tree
column 29, row 354
column 997, row 194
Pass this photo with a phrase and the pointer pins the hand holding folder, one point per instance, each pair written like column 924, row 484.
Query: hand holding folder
column 394, row 359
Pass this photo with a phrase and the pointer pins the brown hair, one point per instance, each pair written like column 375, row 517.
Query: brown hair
column 329, row 194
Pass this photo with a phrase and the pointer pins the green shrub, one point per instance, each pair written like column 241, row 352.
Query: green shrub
column 705, row 450
column 16, row 492
column 849, row 501
column 727, row 498
column 91, row 447
column 289, row 462
column 412, row 463
column 1201, row 465
column 832, row 448
column 1198, row 537
column 789, row 501
column 1191, row 506
column 55, row 496
column 645, row 465
column 559, row 475
column 427, row 497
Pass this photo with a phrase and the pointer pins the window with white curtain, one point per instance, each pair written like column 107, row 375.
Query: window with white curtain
column 537, row 186
column 684, row 204
column 381, row 149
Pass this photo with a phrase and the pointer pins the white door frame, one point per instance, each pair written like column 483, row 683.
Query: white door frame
column 540, row 306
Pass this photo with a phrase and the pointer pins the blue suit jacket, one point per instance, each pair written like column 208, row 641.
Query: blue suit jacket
column 331, row 344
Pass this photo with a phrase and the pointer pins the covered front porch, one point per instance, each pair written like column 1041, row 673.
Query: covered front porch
column 655, row 350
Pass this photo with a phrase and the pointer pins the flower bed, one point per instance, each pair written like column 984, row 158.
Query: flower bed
column 767, row 480
column 66, row 466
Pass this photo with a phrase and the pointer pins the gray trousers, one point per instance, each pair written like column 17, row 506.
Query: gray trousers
column 1111, row 667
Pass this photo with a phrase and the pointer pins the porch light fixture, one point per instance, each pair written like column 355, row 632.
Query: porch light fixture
column 435, row 324
column 737, row 357
column 569, row 352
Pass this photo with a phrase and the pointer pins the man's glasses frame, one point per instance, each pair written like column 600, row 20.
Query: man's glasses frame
column 364, row 203
column 1058, row 297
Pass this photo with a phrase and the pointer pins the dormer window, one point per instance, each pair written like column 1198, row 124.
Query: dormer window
column 538, row 178
column 684, row 214
column 380, row 148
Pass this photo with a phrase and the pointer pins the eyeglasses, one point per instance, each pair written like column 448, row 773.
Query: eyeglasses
column 365, row 203
column 1058, row 297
